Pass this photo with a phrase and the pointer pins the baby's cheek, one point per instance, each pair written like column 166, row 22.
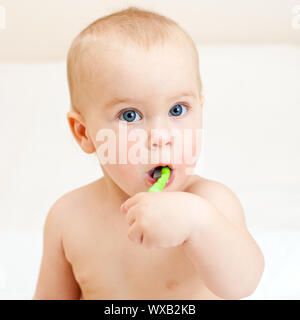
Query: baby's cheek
column 131, row 149
column 123, row 175
column 192, row 147
column 186, row 150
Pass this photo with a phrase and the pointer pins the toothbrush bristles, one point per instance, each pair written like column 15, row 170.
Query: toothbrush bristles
column 157, row 173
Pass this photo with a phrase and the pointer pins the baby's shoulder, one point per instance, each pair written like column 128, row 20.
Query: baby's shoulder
column 74, row 202
column 220, row 196
column 206, row 187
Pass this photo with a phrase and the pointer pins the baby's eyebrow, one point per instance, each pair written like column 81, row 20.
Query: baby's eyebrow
column 117, row 101
column 123, row 100
column 184, row 94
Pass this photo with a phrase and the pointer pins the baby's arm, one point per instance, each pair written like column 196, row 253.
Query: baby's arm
column 56, row 279
column 221, row 247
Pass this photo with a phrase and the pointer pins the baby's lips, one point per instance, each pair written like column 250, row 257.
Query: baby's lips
column 161, row 164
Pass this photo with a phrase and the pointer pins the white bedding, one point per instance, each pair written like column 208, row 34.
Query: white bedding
column 281, row 278
column 20, row 252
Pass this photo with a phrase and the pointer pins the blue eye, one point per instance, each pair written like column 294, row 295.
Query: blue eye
column 178, row 110
column 129, row 115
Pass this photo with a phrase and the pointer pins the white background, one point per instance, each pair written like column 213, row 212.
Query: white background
column 251, row 144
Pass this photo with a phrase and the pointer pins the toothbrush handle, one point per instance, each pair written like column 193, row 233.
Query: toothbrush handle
column 161, row 182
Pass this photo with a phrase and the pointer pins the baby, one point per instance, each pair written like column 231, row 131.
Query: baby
column 133, row 74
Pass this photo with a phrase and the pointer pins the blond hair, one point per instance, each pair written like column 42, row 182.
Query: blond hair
column 132, row 25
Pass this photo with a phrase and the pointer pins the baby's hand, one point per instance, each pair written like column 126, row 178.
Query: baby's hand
column 161, row 219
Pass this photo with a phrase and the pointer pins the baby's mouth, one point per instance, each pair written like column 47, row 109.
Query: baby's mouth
column 155, row 173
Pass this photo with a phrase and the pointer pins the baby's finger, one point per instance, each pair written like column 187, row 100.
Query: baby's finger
column 147, row 243
column 135, row 234
column 131, row 216
column 131, row 201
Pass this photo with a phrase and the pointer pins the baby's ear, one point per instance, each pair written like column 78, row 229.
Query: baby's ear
column 201, row 101
column 79, row 131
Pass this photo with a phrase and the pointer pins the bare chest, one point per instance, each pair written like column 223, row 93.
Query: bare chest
column 108, row 265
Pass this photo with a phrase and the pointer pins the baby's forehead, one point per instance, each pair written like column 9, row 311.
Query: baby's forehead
column 114, row 58
column 116, row 68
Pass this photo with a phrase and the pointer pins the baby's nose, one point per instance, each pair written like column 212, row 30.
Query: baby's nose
column 159, row 138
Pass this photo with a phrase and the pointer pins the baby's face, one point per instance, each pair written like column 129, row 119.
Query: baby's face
column 137, row 91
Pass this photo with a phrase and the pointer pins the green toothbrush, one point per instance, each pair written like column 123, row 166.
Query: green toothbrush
column 161, row 182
